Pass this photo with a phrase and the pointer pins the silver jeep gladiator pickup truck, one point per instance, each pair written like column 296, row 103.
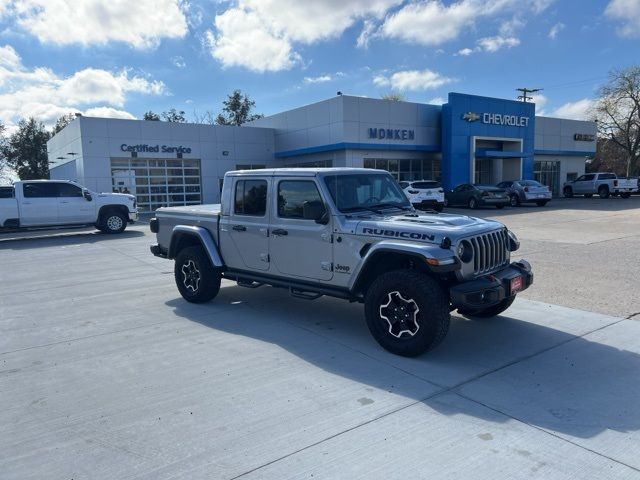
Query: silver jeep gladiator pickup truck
column 348, row 233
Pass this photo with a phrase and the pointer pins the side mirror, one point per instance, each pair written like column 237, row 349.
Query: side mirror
column 87, row 195
column 314, row 210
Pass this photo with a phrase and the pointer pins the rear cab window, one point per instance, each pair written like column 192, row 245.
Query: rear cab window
column 7, row 192
column 250, row 197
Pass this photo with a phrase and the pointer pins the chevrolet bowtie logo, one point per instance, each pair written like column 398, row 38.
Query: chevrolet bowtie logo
column 471, row 117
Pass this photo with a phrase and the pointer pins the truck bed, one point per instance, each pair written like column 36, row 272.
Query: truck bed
column 205, row 216
column 210, row 210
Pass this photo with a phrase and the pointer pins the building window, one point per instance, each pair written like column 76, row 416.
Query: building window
column 317, row 164
column 548, row 173
column 249, row 166
column 484, row 171
column 407, row 169
column 158, row 182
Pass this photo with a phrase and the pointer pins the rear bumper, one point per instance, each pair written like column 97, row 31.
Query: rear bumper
column 494, row 201
column 427, row 203
column 491, row 289
column 158, row 251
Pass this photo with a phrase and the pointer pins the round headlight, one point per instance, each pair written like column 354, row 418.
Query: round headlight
column 514, row 243
column 465, row 251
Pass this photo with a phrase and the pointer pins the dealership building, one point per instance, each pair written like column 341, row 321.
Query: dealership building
column 469, row 139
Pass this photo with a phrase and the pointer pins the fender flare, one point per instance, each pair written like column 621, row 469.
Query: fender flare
column 203, row 236
column 448, row 262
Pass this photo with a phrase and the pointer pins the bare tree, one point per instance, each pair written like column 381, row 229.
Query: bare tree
column 618, row 113
column 393, row 96
column 206, row 118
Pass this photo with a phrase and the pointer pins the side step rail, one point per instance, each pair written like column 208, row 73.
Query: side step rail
column 304, row 295
column 249, row 284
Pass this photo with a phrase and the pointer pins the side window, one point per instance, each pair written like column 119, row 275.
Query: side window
column 251, row 198
column 588, row 178
column 459, row 188
column 607, row 176
column 69, row 190
column 41, row 190
column 292, row 195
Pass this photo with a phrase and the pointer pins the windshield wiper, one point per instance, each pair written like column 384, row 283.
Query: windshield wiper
column 359, row 207
column 401, row 206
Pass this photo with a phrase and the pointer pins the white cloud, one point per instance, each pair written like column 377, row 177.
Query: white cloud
column 366, row 34
column 320, row 79
column 108, row 112
column 579, row 110
column 178, row 61
column 465, row 52
column 493, row 44
column 140, row 23
column 437, row 101
column 540, row 101
column 433, row 23
column 627, row 12
column 412, row 80
column 261, row 35
column 555, row 30
column 45, row 95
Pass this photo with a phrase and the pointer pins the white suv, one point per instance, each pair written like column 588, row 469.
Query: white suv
column 424, row 194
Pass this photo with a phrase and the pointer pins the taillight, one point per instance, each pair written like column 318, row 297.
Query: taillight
column 413, row 192
column 526, row 189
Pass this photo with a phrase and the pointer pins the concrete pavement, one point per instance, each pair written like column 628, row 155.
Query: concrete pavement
column 105, row 372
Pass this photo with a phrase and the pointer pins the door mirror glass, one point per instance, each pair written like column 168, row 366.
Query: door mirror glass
column 87, row 195
column 313, row 210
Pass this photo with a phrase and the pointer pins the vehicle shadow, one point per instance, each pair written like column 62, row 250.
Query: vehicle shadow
column 36, row 239
column 589, row 389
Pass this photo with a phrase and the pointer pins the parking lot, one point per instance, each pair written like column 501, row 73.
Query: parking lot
column 106, row 373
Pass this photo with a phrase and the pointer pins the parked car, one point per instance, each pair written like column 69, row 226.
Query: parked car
column 424, row 194
column 474, row 196
column 604, row 184
column 526, row 191
column 347, row 233
column 43, row 203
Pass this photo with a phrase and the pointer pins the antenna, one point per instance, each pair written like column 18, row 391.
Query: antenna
column 524, row 97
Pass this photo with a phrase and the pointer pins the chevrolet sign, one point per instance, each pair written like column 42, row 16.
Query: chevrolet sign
column 497, row 119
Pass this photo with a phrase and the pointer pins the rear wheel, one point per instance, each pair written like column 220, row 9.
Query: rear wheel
column 567, row 192
column 407, row 312
column 603, row 191
column 196, row 279
column 514, row 200
column 489, row 311
column 542, row 203
column 473, row 203
column 113, row 221
column 439, row 207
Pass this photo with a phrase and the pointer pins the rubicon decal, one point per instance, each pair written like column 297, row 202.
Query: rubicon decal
column 381, row 232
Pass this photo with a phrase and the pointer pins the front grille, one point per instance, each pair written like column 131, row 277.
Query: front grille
column 490, row 251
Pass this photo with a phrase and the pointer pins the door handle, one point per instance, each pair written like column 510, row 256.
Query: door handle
column 279, row 231
column 63, row 201
column 239, row 228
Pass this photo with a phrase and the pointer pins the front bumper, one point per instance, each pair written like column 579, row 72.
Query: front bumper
column 133, row 217
column 491, row 289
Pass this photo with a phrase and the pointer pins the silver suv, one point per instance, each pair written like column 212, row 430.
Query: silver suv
column 347, row 233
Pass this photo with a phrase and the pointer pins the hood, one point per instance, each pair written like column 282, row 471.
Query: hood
column 424, row 227
column 121, row 196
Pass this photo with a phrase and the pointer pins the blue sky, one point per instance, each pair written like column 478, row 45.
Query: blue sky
column 120, row 58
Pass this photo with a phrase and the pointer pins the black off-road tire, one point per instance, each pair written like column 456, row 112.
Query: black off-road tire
column 567, row 192
column 473, row 203
column 113, row 221
column 425, row 327
column 196, row 279
column 542, row 203
column 490, row 311
column 603, row 192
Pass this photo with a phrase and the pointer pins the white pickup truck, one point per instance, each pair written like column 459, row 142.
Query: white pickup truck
column 603, row 184
column 43, row 203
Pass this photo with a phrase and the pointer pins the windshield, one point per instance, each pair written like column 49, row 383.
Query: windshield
column 364, row 191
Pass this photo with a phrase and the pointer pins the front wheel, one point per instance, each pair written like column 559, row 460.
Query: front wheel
column 567, row 192
column 473, row 203
column 514, row 201
column 489, row 311
column 407, row 312
column 196, row 279
column 113, row 222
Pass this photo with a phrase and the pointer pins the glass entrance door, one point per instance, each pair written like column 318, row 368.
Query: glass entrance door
column 484, row 171
column 548, row 173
